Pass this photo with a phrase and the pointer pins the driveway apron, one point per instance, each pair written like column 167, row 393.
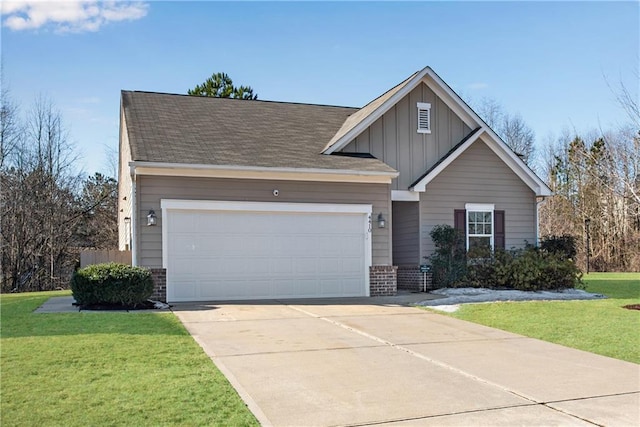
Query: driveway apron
column 356, row 363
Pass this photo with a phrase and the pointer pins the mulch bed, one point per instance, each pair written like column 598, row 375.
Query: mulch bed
column 632, row 307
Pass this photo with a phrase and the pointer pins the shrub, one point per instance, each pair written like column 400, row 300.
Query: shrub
column 564, row 245
column 448, row 262
column 112, row 284
column 551, row 266
column 528, row 269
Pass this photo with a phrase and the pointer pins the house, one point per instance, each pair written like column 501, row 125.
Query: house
column 227, row 199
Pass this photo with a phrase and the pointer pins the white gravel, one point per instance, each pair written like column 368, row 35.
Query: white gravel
column 453, row 297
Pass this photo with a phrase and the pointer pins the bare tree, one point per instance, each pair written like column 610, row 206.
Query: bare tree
column 491, row 112
column 510, row 127
column 594, row 188
column 515, row 132
column 9, row 126
column 40, row 211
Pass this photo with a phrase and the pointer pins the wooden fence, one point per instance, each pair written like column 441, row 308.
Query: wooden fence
column 98, row 256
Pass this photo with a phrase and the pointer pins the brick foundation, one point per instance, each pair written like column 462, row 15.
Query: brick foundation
column 410, row 278
column 159, row 276
column 382, row 280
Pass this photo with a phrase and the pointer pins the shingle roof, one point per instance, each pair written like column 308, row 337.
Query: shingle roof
column 365, row 111
column 231, row 132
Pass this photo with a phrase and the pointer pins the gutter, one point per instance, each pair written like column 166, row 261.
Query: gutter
column 235, row 168
column 262, row 173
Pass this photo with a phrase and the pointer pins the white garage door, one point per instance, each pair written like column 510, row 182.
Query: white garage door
column 246, row 250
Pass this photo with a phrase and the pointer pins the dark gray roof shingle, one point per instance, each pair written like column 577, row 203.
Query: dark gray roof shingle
column 230, row 132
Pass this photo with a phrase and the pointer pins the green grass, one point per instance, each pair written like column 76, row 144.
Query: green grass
column 79, row 369
column 598, row 326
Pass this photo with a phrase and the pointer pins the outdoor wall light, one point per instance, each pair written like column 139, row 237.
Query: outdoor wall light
column 381, row 221
column 151, row 218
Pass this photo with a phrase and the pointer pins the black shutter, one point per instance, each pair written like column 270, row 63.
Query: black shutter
column 460, row 224
column 460, row 221
column 498, row 233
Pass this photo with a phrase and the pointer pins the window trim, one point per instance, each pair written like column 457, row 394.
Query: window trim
column 424, row 106
column 479, row 207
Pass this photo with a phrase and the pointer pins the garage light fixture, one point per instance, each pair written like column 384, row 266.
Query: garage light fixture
column 381, row 221
column 151, row 218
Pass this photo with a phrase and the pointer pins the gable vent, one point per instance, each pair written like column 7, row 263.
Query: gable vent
column 424, row 117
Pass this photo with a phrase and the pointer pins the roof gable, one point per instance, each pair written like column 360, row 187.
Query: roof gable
column 501, row 150
column 359, row 122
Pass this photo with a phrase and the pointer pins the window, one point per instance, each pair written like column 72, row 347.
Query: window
column 479, row 229
column 481, row 225
column 424, row 117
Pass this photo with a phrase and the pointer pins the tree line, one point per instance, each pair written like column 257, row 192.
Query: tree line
column 49, row 211
column 595, row 180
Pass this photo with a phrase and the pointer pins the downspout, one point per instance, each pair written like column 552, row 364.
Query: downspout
column 134, row 216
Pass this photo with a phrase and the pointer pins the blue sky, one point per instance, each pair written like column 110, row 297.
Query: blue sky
column 548, row 61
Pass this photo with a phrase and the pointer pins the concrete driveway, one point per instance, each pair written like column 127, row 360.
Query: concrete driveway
column 374, row 362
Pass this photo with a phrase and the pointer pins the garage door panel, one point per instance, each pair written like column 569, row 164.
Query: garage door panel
column 331, row 287
column 350, row 245
column 186, row 291
column 282, row 265
column 257, row 246
column 214, row 255
column 182, row 267
column 189, row 223
column 352, row 265
column 350, row 286
column 305, row 266
column 330, row 265
column 284, row 286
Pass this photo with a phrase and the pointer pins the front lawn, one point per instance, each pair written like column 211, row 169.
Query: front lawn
column 107, row 369
column 598, row 326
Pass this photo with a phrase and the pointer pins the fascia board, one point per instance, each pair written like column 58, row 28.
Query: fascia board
column 461, row 108
column 377, row 113
column 248, row 172
column 512, row 160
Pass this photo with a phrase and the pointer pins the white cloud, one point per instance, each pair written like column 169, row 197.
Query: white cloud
column 477, row 86
column 68, row 15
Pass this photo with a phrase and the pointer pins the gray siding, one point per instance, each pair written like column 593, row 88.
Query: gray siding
column 151, row 189
column 124, row 188
column 479, row 176
column 394, row 139
column 406, row 234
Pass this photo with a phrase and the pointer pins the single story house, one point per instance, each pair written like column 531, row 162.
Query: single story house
column 228, row 199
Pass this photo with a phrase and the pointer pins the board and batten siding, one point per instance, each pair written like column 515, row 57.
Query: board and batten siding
column 395, row 140
column 151, row 189
column 479, row 176
column 406, row 234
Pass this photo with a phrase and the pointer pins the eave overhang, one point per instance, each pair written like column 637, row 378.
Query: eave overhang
column 260, row 173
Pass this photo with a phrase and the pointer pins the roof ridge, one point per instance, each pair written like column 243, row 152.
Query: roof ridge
column 386, row 92
column 239, row 100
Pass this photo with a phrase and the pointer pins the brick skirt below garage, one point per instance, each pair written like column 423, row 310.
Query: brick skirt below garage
column 382, row 280
column 159, row 277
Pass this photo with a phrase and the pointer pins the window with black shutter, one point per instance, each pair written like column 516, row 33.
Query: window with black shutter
column 481, row 225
